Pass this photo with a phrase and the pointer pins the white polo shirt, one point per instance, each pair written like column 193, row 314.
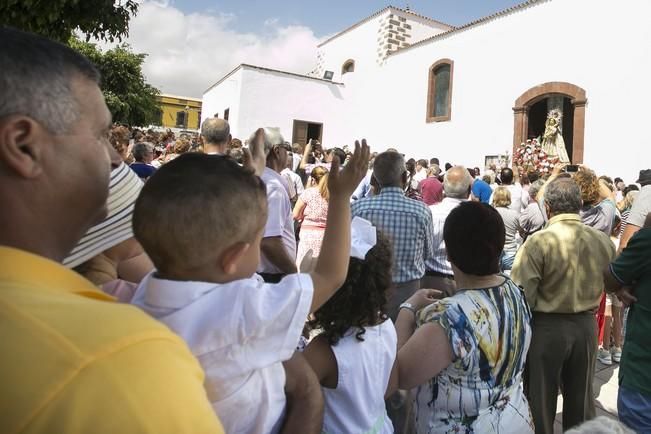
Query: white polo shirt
column 280, row 222
column 240, row 332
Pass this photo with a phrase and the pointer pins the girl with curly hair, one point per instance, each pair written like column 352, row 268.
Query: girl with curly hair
column 356, row 348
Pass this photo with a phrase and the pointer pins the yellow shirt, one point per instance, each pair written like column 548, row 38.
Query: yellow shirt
column 74, row 361
column 560, row 267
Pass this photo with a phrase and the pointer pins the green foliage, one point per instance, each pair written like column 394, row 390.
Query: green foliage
column 106, row 20
column 130, row 98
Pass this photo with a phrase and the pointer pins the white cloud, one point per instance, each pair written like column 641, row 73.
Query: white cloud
column 189, row 52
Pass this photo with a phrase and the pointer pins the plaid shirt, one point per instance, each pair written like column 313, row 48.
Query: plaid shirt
column 407, row 223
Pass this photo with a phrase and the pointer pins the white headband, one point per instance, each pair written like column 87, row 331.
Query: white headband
column 363, row 236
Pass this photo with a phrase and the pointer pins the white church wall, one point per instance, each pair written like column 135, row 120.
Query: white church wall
column 359, row 44
column 571, row 41
column 225, row 95
column 422, row 28
column 276, row 100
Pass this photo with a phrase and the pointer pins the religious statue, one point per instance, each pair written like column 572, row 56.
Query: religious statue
column 553, row 143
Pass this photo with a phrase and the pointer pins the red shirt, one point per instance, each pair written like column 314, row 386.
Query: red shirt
column 432, row 190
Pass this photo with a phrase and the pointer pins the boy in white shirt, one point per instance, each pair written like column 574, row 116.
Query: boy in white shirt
column 201, row 219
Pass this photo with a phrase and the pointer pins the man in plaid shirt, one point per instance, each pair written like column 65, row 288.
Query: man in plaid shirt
column 407, row 223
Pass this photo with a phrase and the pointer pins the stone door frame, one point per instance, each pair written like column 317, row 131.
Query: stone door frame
column 530, row 97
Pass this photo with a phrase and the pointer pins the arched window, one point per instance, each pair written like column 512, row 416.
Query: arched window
column 439, row 96
column 349, row 66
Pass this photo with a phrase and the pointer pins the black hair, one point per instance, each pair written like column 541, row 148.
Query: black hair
column 506, row 176
column 340, row 153
column 362, row 299
column 196, row 205
column 474, row 238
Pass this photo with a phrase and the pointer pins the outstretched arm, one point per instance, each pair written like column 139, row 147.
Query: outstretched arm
column 332, row 265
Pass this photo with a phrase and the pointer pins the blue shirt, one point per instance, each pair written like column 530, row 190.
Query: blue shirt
column 482, row 191
column 407, row 223
column 143, row 170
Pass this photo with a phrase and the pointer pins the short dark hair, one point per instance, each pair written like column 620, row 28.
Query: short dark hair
column 474, row 238
column 388, row 169
column 339, row 153
column 506, row 175
column 362, row 299
column 423, row 163
column 533, row 176
column 434, row 160
column 36, row 79
column 196, row 205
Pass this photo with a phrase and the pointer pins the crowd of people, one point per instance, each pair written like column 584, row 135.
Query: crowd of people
column 208, row 284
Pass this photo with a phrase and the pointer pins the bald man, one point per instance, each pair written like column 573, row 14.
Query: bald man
column 438, row 270
column 216, row 136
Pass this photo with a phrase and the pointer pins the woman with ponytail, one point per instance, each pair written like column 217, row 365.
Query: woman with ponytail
column 312, row 211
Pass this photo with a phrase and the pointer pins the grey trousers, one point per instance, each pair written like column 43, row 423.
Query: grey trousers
column 400, row 293
column 561, row 357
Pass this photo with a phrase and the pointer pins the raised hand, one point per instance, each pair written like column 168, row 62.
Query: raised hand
column 345, row 182
column 255, row 158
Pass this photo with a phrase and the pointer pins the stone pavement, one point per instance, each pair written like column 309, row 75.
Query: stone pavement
column 605, row 390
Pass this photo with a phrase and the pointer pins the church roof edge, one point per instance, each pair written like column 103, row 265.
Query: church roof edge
column 277, row 71
column 378, row 13
column 455, row 30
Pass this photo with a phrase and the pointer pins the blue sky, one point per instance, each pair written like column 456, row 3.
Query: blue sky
column 330, row 16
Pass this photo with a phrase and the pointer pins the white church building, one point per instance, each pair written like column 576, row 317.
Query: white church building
column 465, row 94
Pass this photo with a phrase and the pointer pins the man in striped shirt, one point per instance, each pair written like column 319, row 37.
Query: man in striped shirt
column 407, row 223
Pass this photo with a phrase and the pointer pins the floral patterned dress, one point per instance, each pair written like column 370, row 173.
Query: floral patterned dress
column 481, row 391
column 314, row 223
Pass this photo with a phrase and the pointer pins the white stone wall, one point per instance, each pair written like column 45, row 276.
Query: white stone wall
column 358, row 44
column 225, row 95
column 600, row 46
column 275, row 99
column 603, row 47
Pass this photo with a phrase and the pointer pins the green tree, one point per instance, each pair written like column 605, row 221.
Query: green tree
column 130, row 98
column 58, row 19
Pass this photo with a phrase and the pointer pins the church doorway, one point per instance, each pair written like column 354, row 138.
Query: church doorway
column 537, row 117
column 305, row 130
column 533, row 106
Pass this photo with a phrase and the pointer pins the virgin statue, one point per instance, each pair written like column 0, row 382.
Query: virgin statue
column 553, row 143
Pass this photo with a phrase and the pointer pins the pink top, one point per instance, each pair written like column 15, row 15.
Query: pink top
column 315, row 213
column 432, row 190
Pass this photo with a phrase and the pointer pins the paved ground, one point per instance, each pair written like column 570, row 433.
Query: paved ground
column 605, row 389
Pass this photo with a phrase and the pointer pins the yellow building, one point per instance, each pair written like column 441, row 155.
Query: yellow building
column 179, row 112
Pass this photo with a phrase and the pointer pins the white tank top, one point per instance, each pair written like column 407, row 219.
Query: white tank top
column 356, row 406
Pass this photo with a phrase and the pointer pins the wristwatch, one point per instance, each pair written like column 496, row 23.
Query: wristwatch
column 407, row 306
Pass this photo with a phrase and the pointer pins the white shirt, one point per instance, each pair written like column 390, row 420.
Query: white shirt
column 418, row 177
column 641, row 207
column 240, row 332
column 357, row 404
column 440, row 211
column 295, row 181
column 296, row 160
column 280, row 222
column 516, row 196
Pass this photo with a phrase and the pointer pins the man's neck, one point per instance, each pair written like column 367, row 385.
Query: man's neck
column 211, row 148
column 273, row 165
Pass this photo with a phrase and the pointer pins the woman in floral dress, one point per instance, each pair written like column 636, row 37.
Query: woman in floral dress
column 465, row 355
column 311, row 210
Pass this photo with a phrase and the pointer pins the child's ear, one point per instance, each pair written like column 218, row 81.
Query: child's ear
column 231, row 257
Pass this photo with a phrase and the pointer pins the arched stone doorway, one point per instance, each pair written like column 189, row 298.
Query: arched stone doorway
column 577, row 100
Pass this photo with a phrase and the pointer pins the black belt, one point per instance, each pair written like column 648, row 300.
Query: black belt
column 438, row 274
